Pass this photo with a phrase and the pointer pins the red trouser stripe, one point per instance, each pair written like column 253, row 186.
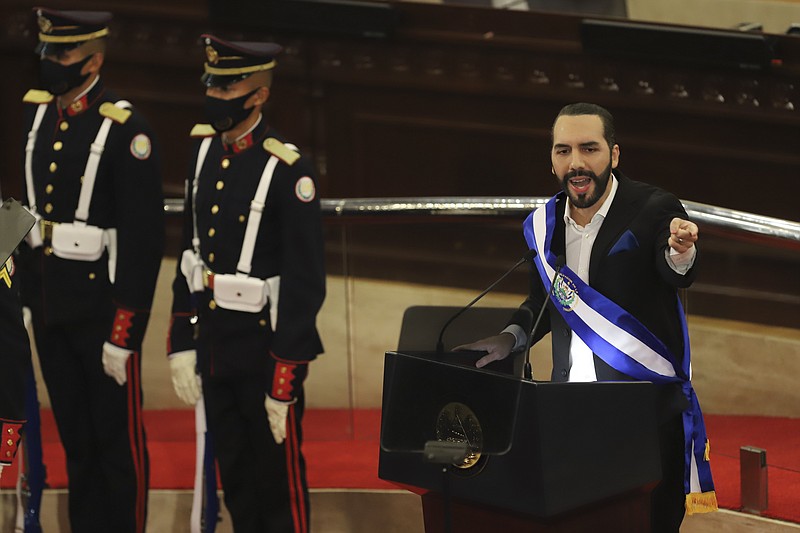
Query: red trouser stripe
column 136, row 436
column 297, row 499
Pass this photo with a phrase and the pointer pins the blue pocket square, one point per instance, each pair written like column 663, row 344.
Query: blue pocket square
column 626, row 242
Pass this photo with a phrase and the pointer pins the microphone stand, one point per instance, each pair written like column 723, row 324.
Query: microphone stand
column 527, row 373
column 448, row 516
column 446, row 453
column 529, row 255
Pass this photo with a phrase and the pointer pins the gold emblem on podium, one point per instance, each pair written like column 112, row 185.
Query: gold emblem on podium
column 457, row 423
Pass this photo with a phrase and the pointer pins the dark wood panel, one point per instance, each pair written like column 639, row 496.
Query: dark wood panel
column 459, row 101
column 475, row 81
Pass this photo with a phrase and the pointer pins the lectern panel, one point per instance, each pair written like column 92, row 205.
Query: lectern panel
column 550, row 447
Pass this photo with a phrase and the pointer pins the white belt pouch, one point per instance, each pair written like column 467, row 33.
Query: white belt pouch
column 78, row 242
column 240, row 293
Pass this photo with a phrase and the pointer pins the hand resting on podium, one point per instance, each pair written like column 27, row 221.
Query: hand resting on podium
column 496, row 347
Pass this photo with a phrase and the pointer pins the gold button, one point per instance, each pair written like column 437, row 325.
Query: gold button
column 220, row 185
column 212, row 232
column 283, row 370
column 226, row 163
column 241, row 218
column 8, row 454
column 48, row 250
column 212, row 304
column 281, row 381
column 280, row 391
column 53, row 167
column 262, row 322
column 92, row 275
column 64, row 126
column 48, row 208
column 10, row 431
column 49, row 188
column 10, row 442
column 118, row 327
column 115, row 337
column 58, row 145
column 214, row 209
column 211, row 257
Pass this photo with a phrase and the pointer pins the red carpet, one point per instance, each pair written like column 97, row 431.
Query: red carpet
column 780, row 437
column 341, row 449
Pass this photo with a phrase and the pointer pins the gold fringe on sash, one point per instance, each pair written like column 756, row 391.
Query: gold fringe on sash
column 701, row 502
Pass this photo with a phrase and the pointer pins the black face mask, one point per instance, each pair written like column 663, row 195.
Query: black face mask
column 225, row 114
column 57, row 79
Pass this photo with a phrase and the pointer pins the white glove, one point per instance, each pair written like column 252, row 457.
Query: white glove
column 185, row 380
column 114, row 361
column 276, row 413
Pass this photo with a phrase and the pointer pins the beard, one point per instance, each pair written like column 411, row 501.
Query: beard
column 587, row 199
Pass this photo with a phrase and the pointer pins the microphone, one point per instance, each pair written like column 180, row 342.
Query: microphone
column 529, row 255
column 526, row 370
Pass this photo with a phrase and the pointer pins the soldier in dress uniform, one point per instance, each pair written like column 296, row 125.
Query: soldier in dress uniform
column 92, row 179
column 252, row 273
column 14, row 364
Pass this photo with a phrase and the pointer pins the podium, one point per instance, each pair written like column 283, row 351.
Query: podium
column 544, row 456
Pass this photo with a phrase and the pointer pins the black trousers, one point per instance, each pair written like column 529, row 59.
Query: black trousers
column 668, row 498
column 264, row 483
column 100, row 425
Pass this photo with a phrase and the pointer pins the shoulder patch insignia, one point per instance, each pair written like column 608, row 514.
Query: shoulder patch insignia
column 36, row 96
column 281, row 151
column 304, row 189
column 141, row 146
column 202, row 130
column 115, row 113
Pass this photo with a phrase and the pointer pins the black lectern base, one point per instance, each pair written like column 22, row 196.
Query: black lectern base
column 627, row 513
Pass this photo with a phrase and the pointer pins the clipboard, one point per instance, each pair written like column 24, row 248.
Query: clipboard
column 15, row 223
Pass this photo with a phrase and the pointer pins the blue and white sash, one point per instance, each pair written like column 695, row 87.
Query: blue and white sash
column 626, row 345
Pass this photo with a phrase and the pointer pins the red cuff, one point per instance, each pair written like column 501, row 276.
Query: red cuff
column 120, row 331
column 10, row 440
column 282, row 379
column 287, row 380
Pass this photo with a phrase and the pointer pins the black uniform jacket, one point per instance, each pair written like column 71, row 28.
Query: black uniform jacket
column 289, row 244
column 127, row 196
column 638, row 278
column 15, row 362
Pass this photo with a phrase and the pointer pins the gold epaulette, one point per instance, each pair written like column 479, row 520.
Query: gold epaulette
column 36, row 96
column 5, row 271
column 281, row 151
column 202, row 130
column 117, row 114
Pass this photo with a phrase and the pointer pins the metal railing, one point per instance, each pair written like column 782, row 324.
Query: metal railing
column 519, row 206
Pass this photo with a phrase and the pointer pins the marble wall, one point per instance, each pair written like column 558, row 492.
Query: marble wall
column 739, row 368
column 774, row 15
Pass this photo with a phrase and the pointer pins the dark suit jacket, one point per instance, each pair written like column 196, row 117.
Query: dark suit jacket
column 628, row 266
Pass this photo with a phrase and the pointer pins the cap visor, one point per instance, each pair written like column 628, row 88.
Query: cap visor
column 216, row 80
column 54, row 49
